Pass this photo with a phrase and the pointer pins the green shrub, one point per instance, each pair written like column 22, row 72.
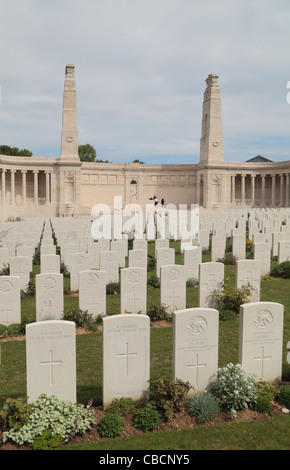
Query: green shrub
column 168, row 396
column 47, row 441
column 225, row 315
column 5, row 270
column 122, row 406
column 191, row 282
column 30, row 289
column 230, row 297
column 228, row 259
column 151, row 264
column 81, row 317
column 283, row 396
column 282, row 270
column 36, row 258
column 65, row 418
column 234, row 388
column 14, row 413
column 113, row 288
column 204, row 406
column 153, row 281
column 263, row 405
column 148, row 419
column 64, row 270
column 158, row 312
column 111, row 425
column 16, row 329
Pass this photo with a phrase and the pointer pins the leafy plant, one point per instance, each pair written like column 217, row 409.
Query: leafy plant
column 204, row 406
column 113, row 288
column 122, row 406
column 168, row 396
column 151, row 264
column 64, row 418
column 154, row 281
column 64, row 270
column 230, row 297
column 282, row 270
column 228, row 259
column 234, row 388
column 46, row 441
column 283, row 396
column 191, row 282
column 158, row 312
column 225, row 315
column 111, row 425
column 14, row 413
column 147, row 419
column 81, row 317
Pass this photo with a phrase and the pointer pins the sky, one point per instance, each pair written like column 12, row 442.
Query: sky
column 140, row 69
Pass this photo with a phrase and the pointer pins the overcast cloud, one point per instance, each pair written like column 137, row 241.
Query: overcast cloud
column 140, row 69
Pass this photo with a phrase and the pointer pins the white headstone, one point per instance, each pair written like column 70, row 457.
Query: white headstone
column 51, row 360
column 92, row 292
column 262, row 253
column 78, row 262
column 164, row 256
column 10, row 306
column 261, row 339
column 49, row 296
column 248, row 273
column 126, row 357
column 138, row 259
column 4, row 257
column 173, row 287
column 239, row 246
column 21, row 266
column 134, row 290
column 218, row 247
column 50, row 264
column 283, row 251
column 109, row 262
column 211, row 278
column 192, row 258
column 195, row 346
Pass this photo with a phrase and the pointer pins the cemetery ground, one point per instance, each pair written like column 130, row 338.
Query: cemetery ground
column 250, row 430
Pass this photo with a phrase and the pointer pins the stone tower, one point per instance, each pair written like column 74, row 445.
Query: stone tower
column 211, row 142
column 69, row 136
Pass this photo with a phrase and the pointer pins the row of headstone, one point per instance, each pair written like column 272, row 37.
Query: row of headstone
column 51, row 356
column 133, row 289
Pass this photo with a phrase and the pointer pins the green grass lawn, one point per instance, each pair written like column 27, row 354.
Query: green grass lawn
column 275, row 432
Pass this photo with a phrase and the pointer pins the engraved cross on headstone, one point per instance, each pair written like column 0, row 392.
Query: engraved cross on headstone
column 196, row 366
column 134, row 300
column 4, row 311
column 51, row 363
column 262, row 358
column 126, row 356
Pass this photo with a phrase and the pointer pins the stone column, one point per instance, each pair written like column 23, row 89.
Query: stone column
column 3, row 176
column 24, row 186
column 243, row 188
column 35, row 186
column 281, row 190
column 47, row 187
column 12, row 172
column 263, row 191
column 287, row 191
column 233, row 189
column 253, row 189
column 273, row 190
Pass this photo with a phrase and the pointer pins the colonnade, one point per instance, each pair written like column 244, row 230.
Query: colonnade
column 251, row 189
column 41, row 192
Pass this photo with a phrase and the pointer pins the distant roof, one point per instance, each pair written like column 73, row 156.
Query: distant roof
column 259, row 158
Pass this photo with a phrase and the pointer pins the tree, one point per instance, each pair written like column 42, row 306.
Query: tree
column 14, row 151
column 87, row 153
